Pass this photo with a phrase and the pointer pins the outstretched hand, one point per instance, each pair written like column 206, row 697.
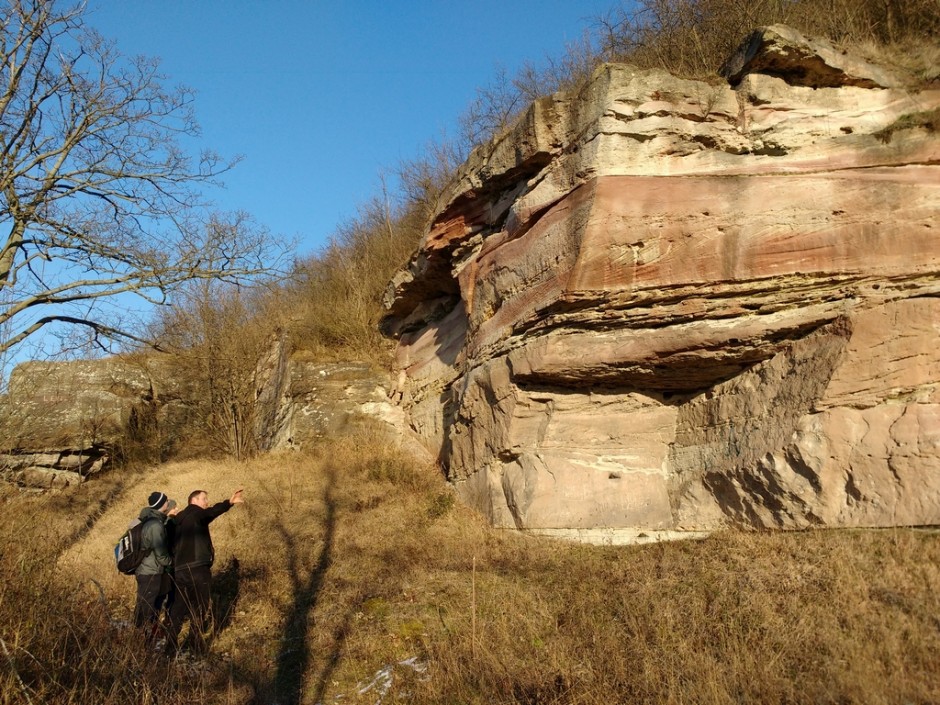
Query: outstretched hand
column 237, row 497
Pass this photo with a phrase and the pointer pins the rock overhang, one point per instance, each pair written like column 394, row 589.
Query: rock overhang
column 699, row 261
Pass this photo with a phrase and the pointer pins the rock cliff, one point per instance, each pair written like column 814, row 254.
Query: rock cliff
column 61, row 422
column 662, row 304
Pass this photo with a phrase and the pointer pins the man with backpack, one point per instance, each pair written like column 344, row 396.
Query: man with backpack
column 157, row 561
column 193, row 557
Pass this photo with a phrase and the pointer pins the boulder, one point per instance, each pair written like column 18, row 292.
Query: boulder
column 781, row 51
column 64, row 421
column 660, row 304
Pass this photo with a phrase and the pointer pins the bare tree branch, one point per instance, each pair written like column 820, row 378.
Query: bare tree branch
column 97, row 198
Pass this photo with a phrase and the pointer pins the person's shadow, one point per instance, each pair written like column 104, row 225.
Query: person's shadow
column 225, row 593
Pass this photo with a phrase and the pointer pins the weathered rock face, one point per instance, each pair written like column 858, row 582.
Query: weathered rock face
column 309, row 401
column 63, row 421
column 663, row 304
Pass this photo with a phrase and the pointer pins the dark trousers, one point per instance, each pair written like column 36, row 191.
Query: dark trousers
column 167, row 594
column 146, row 607
column 191, row 602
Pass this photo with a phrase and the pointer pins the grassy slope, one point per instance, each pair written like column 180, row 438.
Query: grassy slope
column 351, row 559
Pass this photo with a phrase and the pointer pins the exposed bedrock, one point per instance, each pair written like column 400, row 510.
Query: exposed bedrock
column 61, row 422
column 663, row 304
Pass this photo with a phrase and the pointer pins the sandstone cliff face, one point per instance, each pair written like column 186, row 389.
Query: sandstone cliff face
column 302, row 402
column 663, row 304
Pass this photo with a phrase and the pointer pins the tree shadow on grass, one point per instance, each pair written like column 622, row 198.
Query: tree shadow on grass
column 93, row 512
column 293, row 659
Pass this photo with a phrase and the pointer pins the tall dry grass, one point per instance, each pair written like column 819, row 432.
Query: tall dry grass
column 344, row 564
column 692, row 38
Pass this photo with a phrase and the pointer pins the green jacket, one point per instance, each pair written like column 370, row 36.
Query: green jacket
column 154, row 538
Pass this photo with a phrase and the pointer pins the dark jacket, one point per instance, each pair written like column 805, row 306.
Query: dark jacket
column 153, row 536
column 193, row 545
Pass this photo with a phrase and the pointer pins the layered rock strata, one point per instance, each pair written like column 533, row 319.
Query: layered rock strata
column 312, row 401
column 662, row 304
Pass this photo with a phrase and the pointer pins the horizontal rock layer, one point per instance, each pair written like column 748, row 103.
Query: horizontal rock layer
column 663, row 304
column 62, row 422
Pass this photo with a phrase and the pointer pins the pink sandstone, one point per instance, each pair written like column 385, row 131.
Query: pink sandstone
column 660, row 304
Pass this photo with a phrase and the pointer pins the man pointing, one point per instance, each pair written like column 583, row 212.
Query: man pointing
column 193, row 556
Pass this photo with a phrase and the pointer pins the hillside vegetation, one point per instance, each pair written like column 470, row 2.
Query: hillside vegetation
column 352, row 575
column 351, row 563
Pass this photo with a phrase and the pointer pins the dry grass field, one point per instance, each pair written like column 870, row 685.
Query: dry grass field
column 351, row 575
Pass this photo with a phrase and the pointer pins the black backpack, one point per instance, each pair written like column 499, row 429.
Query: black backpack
column 130, row 551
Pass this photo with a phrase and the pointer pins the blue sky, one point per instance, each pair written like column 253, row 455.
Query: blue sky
column 322, row 97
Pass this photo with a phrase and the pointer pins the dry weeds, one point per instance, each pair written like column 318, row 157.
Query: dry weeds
column 351, row 560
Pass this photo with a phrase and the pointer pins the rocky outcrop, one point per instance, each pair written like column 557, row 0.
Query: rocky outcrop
column 61, row 422
column 663, row 304
column 310, row 401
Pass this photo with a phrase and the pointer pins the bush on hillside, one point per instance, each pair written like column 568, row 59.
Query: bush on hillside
column 692, row 38
column 217, row 341
column 335, row 297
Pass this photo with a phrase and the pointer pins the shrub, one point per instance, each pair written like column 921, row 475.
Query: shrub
column 692, row 38
column 335, row 297
column 218, row 343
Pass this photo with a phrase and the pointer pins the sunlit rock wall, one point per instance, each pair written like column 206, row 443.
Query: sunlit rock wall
column 62, row 422
column 663, row 304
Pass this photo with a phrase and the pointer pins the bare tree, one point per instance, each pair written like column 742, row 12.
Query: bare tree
column 218, row 344
column 97, row 197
